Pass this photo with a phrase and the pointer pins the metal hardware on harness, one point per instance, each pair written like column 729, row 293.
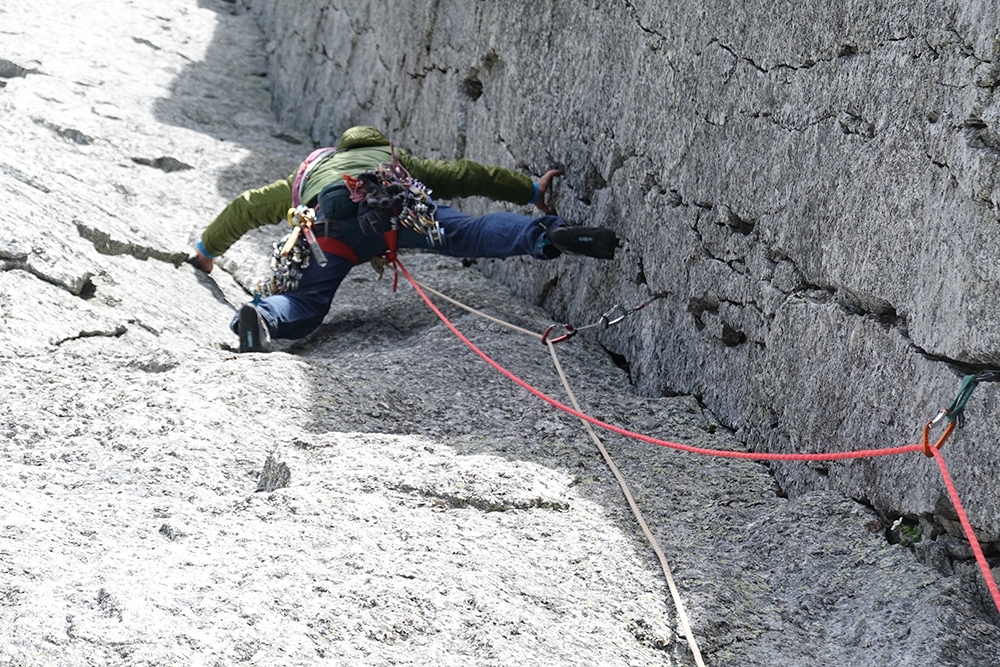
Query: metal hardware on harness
column 412, row 206
column 379, row 263
column 304, row 218
column 570, row 332
column 291, row 254
column 418, row 212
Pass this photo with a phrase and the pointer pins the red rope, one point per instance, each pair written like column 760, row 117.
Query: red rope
column 754, row 456
column 984, row 566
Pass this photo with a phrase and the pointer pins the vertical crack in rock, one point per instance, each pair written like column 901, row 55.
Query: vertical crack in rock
column 547, row 289
column 432, row 17
column 640, row 275
column 593, row 181
column 470, row 89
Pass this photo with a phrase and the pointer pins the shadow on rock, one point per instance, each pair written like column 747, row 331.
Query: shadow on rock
column 225, row 95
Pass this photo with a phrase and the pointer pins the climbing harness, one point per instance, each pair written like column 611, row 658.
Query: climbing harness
column 291, row 254
column 612, row 316
column 389, row 198
column 955, row 412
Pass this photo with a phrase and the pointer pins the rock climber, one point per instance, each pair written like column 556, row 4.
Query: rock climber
column 363, row 198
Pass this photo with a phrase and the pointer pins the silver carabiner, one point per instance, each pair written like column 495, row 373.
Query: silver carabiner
column 606, row 317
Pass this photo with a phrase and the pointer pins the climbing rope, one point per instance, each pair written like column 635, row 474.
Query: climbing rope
column 956, row 409
column 671, row 584
column 476, row 312
column 970, row 534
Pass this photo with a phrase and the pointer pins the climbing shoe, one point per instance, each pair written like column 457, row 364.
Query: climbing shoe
column 594, row 242
column 252, row 330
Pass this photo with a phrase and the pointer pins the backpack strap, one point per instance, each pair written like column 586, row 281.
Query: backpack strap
column 299, row 185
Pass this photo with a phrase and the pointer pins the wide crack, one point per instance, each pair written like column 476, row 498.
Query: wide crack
column 455, row 501
column 116, row 332
column 106, row 245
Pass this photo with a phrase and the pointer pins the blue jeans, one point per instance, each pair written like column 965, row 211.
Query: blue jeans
column 502, row 234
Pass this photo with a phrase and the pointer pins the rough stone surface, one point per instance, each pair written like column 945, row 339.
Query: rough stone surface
column 810, row 186
column 424, row 510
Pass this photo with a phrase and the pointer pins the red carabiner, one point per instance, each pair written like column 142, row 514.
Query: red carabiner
column 570, row 332
column 944, row 436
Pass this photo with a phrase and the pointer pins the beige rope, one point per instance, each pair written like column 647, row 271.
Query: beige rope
column 674, row 593
column 477, row 312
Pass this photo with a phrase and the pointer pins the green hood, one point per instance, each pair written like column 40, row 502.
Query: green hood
column 361, row 136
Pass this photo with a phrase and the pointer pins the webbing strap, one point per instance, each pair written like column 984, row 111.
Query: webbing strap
column 332, row 246
column 968, row 386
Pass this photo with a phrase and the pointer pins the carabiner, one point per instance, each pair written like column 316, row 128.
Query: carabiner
column 606, row 317
column 570, row 332
column 944, row 436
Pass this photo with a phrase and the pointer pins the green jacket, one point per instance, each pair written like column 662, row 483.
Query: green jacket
column 361, row 149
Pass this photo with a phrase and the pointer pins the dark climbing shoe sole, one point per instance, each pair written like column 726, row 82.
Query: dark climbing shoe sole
column 594, row 242
column 252, row 331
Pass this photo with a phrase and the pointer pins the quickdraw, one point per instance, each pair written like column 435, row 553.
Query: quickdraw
column 612, row 316
column 955, row 412
column 291, row 254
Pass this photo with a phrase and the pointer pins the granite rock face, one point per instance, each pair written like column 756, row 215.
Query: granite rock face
column 375, row 494
column 810, row 188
